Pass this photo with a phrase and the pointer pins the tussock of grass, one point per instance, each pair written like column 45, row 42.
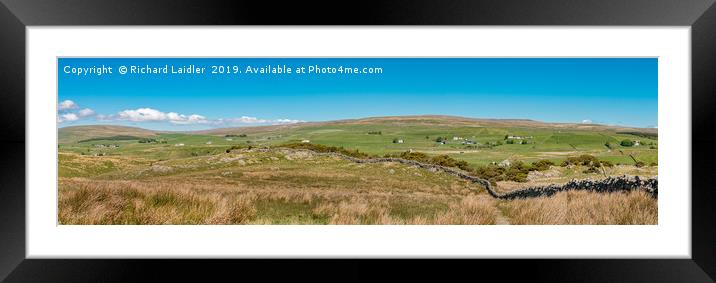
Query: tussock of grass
column 472, row 210
column 289, row 209
column 120, row 203
column 356, row 211
column 234, row 210
column 581, row 207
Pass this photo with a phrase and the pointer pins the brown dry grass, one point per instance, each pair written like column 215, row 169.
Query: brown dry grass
column 83, row 201
column 581, row 207
column 356, row 211
column 472, row 210
column 270, row 188
column 127, row 203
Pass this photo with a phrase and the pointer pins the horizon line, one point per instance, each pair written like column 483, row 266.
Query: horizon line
column 59, row 126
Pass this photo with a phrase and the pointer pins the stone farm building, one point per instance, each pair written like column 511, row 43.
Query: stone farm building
column 518, row 137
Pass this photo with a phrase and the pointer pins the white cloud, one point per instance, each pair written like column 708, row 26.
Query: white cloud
column 180, row 119
column 153, row 115
column 146, row 114
column 288, row 121
column 67, row 117
column 67, row 105
column 86, row 112
column 586, row 121
column 246, row 120
column 196, row 118
column 254, row 120
column 142, row 115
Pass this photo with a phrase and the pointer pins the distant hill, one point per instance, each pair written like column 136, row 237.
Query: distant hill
column 78, row 133
column 432, row 120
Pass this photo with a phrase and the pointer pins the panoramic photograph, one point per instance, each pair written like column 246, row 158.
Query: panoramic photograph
column 357, row 141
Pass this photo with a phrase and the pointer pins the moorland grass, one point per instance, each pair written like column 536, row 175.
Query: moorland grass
column 581, row 207
column 280, row 190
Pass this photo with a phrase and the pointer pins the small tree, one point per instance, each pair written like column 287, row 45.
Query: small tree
column 627, row 143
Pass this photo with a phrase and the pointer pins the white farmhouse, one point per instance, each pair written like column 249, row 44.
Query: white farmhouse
column 306, row 141
column 179, row 144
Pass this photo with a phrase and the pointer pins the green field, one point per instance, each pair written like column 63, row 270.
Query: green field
column 544, row 143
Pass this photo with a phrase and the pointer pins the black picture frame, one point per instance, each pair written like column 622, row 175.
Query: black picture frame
column 16, row 15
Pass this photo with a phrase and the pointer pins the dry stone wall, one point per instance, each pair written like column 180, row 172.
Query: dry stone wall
column 607, row 185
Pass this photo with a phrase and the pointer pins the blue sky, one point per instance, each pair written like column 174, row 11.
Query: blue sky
column 619, row 91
